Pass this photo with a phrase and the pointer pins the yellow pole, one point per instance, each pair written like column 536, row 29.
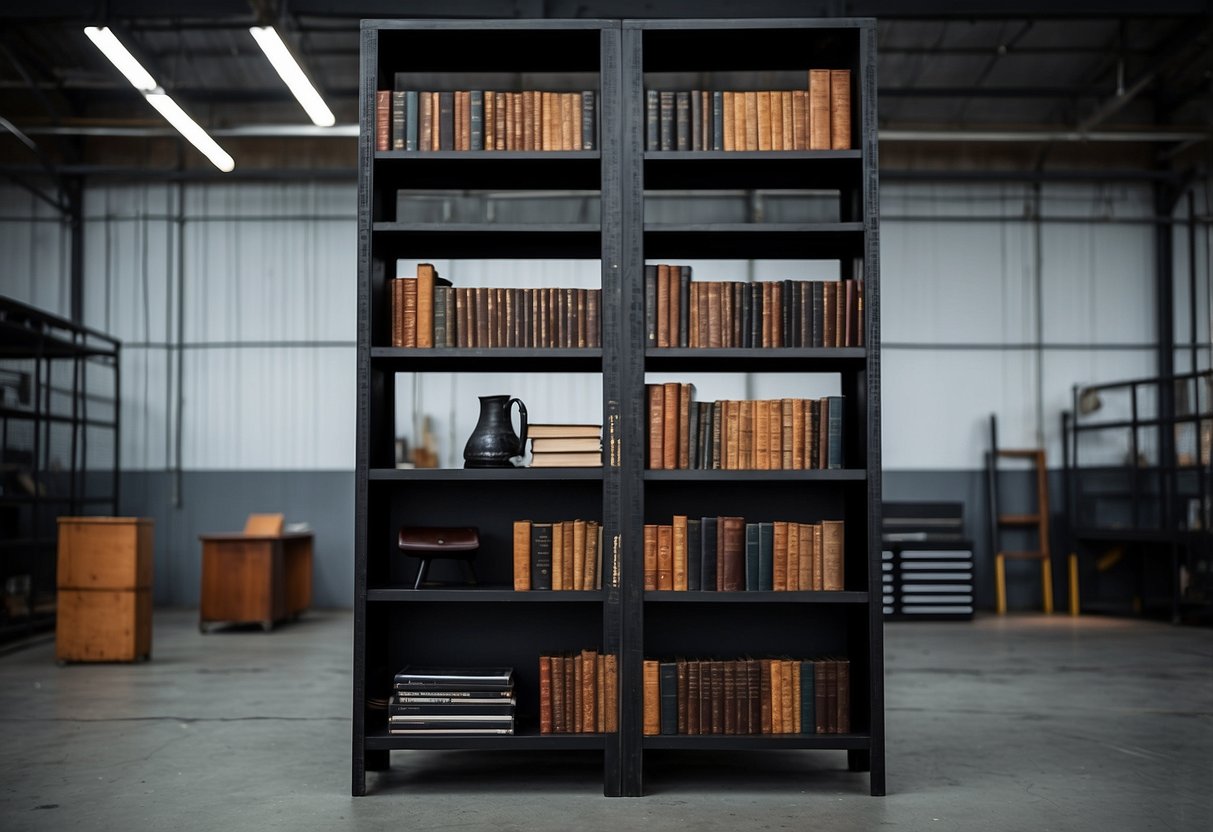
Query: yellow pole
column 1046, row 578
column 1073, row 584
column 1000, row 583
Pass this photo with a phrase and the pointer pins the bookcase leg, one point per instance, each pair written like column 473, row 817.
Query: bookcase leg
column 859, row 759
column 1000, row 583
column 1046, row 581
column 876, row 778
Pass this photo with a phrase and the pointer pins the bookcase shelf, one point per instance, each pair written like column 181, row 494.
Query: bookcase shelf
column 492, row 624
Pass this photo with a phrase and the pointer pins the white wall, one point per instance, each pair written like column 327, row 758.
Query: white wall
column 269, row 317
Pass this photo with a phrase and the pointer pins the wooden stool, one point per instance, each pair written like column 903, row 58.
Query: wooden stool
column 429, row 543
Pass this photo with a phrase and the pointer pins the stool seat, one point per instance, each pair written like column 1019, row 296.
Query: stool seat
column 429, row 543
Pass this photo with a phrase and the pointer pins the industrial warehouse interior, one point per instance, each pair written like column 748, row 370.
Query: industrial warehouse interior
column 619, row 415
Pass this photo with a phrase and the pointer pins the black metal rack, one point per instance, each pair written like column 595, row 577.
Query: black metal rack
column 1140, row 476
column 395, row 625
column 50, row 407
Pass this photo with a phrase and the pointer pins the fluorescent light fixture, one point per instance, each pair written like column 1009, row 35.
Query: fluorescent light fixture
column 119, row 56
column 105, row 40
column 189, row 128
column 291, row 73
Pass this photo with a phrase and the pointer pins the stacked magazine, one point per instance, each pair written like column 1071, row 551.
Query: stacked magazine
column 452, row 700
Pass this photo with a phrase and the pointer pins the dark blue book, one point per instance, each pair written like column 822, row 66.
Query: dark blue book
column 477, row 119
column 398, row 120
column 693, row 439
column 650, row 305
column 446, row 121
column 793, row 339
column 410, row 120
column 766, row 556
column 589, row 120
column 808, row 724
column 651, row 120
column 684, row 306
column 696, row 120
column 694, row 551
column 541, row 556
column 834, row 433
column 705, row 435
column 666, row 120
column 785, row 312
column 717, row 120
column 707, row 550
column 818, row 313
column 747, row 307
column 751, row 557
column 668, row 682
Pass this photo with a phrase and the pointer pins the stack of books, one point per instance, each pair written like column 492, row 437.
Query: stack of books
column 566, row 446
column 452, row 700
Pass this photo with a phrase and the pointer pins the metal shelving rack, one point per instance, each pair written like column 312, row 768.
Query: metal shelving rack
column 49, row 406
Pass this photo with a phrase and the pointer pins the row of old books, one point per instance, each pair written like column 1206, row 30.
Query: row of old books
column 680, row 312
column 452, row 700
column 427, row 311
column 762, row 435
column 485, row 120
column 565, row 555
column 579, row 693
column 727, row 554
column 816, row 118
column 747, row 696
column 565, row 446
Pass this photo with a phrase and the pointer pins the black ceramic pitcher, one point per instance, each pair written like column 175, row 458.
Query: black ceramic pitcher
column 493, row 443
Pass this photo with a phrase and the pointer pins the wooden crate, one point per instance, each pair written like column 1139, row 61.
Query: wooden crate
column 105, row 589
column 101, row 625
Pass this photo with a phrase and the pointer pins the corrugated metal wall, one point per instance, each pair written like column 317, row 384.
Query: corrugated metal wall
column 984, row 310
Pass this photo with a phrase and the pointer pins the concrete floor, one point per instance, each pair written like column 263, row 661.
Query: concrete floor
column 1027, row 723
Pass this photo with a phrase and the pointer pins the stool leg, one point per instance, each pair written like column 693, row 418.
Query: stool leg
column 1073, row 583
column 421, row 570
column 1000, row 583
column 469, row 572
column 1046, row 580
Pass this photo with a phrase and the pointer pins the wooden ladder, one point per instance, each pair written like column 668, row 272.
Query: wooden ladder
column 1039, row 520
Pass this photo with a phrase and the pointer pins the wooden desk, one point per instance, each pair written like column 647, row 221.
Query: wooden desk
column 249, row 578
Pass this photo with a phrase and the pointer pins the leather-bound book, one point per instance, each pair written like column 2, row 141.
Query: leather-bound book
column 842, row 712
column 804, row 557
column 569, row 554
column 762, row 438
column 668, row 687
column 765, row 712
column 540, row 555
column 665, row 558
column 832, row 555
column 557, row 684
column 543, row 135
column 461, row 311
column 396, row 294
column 785, row 441
column 669, row 439
column 751, row 557
column 398, row 122
column 681, row 696
column 425, row 121
column 820, row 683
column 744, row 312
column 463, row 140
column 705, row 435
column 682, row 120
column 409, row 312
column 693, row 696
column 697, row 120
column 709, row 534
column 650, row 305
column 768, row 317
column 819, row 109
column 800, row 119
column 490, row 120
column 715, row 324
column 729, row 716
column 741, row 117
column 717, row 433
column 818, row 558
column 705, row 697
column 579, row 328
column 818, row 313
column 728, row 108
column 545, row 694
column 776, row 109
column 500, row 136
column 528, row 119
column 718, row 128
column 823, row 431
column 383, row 119
column 650, row 557
column 834, row 427
column 663, row 306
column 732, row 563
column 787, row 699
column 656, row 395
column 652, row 130
column 775, row 434
column 780, row 564
column 797, row 723
column 717, row 697
column 694, row 319
column 684, row 305
column 666, row 115
column 777, row 697
column 492, row 319
column 763, row 103
column 679, row 534
column 794, row 557
column 579, row 554
column 589, row 120
column 797, row 437
column 516, row 112
column 674, row 276
column 482, row 316
column 751, row 119
column 754, row 696
column 726, row 314
column 612, row 694
column 812, row 415
column 577, row 722
column 600, row 694
column 426, row 276
column 446, row 121
column 840, row 109
column 808, row 724
column 593, row 544
column 733, row 423
column 777, row 318
column 570, row 120
column 651, row 676
column 766, row 557
column 831, row 697
column 476, row 120
column 593, row 319
column 791, row 313
column 746, row 442
column 558, row 557
column 589, row 691
column 522, row 555
column 785, row 109
column 685, row 391
column 694, row 548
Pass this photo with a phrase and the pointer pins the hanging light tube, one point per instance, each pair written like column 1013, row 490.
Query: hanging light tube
column 293, row 75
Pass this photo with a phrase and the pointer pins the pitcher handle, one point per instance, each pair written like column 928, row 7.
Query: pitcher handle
column 522, row 420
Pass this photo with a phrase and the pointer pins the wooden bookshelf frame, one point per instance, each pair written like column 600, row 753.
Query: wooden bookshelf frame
column 848, row 623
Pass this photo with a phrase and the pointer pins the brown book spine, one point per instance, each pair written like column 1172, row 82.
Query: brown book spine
column 491, row 315
column 776, row 696
column 383, row 119
column 692, row 700
column 785, row 426
column 823, row 433
column 732, row 565
column 665, row 558
column 488, row 124
column 840, row 109
column 482, row 316
column 733, row 426
column 592, row 555
column 746, row 442
column 544, row 139
column 818, row 568
column 797, row 725
column 458, row 117
column 729, row 717
column 568, row 555
column 786, row 697
column 522, row 555
column 566, row 120
column 776, row 107
column 396, row 293
column 663, row 305
column 763, row 102
column 612, row 694
column 785, row 110
column 819, row 697
column 693, row 318
column 435, row 121
column 842, row 713
column 727, row 318
column 510, row 117
column 579, row 552
column 680, row 553
column 768, row 315
column 685, row 393
column 804, row 557
column 557, row 685
column 715, row 327
column 811, row 444
column 425, row 126
column 680, row 672
column 593, row 318
column 717, row 431
column 599, row 693
column 751, row 119
column 730, row 116
column 652, row 698
column 762, row 436
column 558, row 557
column 499, row 134
column 576, row 725
column 739, row 120
column 780, row 554
column 575, row 105
column 831, row 697
column 409, row 313
column 819, row 109
column 669, row 444
column 794, row 558
column 717, row 697
column 777, row 301
column 754, row 685
column 581, row 341
column 832, row 556
column 545, row 694
column 656, row 426
column 589, row 690
column 650, row 558
column 798, row 412
column 425, row 305
column 800, row 120
column 765, row 713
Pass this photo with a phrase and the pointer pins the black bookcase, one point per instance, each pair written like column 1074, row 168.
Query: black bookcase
column 396, row 625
